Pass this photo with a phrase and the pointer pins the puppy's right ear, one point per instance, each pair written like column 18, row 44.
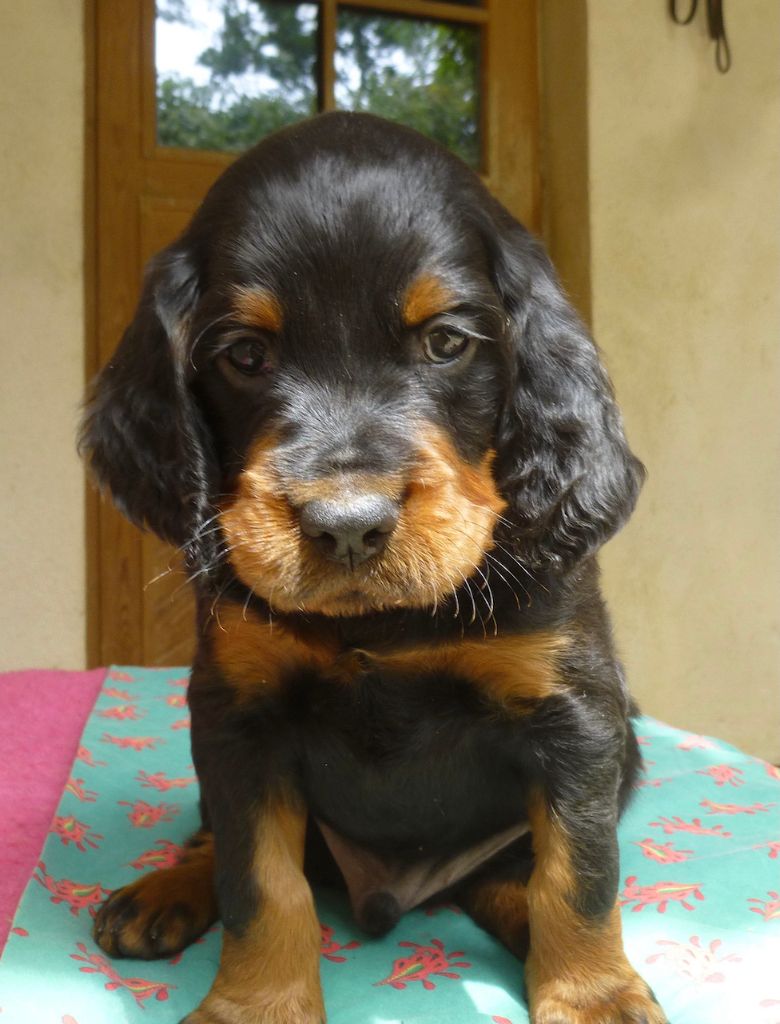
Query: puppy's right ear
column 142, row 433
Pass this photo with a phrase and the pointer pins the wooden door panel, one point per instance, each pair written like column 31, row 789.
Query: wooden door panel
column 161, row 220
column 168, row 606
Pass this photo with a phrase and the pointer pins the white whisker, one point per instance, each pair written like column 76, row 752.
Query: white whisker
column 208, row 327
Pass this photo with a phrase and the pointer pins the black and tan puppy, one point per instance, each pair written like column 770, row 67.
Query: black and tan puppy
column 355, row 395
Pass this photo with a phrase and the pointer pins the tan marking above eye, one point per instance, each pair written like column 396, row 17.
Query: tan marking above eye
column 426, row 296
column 258, row 307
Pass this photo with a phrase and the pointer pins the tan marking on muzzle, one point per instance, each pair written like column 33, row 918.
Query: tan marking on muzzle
column 450, row 508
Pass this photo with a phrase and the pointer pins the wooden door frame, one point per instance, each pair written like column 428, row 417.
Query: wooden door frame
column 551, row 93
column 91, row 497
column 563, row 66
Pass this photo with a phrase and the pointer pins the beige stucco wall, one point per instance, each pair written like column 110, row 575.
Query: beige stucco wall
column 41, row 334
column 685, row 272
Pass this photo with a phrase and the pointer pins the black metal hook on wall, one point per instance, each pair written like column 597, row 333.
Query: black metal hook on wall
column 716, row 28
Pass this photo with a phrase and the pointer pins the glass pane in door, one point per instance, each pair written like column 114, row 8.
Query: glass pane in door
column 231, row 71
column 420, row 72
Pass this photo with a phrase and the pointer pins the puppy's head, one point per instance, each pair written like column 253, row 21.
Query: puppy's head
column 352, row 373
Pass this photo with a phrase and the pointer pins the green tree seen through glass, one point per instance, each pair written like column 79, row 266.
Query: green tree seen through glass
column 422, row 73
column 231, row 71
column 252, row 70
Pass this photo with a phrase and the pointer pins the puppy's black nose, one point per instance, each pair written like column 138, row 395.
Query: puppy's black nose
column 350, row 530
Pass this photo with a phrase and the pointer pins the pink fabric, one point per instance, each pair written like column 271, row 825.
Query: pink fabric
column 42, row 715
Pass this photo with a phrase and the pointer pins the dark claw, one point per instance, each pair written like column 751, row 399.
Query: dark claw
column 115, row 913
column 128, row 912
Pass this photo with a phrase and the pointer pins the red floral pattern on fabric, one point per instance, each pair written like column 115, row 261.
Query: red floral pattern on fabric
column 76, row 788
column 164, row 854
column 663, row 853
column 139, row 988
column 77, row 896
column 331, row 949
column 160, row 782
column 145, row 815
column 683, row 853
column 695, row 961
column 768, row 909
column 659, row 894
column 423, row 963
column 71, row 830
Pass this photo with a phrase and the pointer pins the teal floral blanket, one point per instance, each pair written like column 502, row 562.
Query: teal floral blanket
column 700, row 891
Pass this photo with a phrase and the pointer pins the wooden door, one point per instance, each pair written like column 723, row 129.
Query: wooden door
column 141, row 194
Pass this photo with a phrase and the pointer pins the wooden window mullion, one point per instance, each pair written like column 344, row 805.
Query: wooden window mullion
column 432, row 9
column 327, row 71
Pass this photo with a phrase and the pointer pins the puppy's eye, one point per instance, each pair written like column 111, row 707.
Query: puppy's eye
column 445, row 344
column 249, row 356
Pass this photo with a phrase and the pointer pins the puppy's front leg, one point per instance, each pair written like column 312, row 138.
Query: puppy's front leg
column 243, row 749
column 269, row 970
column 577, row 971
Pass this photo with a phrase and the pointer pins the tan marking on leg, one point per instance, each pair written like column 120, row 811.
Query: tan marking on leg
column 577, row 971
column 426, row 296
column 500, row 907
column 270, row 974
column 258, row 307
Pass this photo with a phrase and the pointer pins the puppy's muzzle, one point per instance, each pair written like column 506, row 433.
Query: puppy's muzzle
column 352, row 529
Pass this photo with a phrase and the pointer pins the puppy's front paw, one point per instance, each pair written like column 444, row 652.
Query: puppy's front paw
column 156, row 916
column 621, row 998
column 216, row 1009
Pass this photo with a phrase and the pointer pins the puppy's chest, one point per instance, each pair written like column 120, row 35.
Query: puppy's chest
column 412, row 763
column 399, row 740
column 413, row 781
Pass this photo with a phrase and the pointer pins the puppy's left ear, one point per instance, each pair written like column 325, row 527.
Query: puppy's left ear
column 142, row 432
column 563, row 462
